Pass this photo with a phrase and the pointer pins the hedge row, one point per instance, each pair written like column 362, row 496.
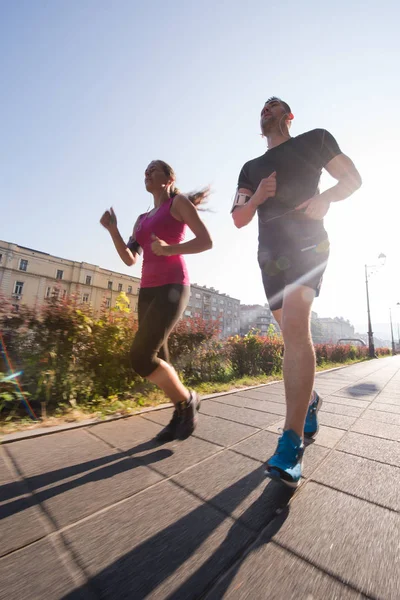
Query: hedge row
column 65, row 353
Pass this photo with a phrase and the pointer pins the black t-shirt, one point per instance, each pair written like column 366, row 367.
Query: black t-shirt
column 298, row 163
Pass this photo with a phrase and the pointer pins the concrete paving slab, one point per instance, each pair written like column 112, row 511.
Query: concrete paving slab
column 349, row 538
column 361, row 477
column 237, row 485
column 336, row 421
column 35, row 572
column 386, row 451
column 381, row 430
column 209, row 429
column 165, row 544
column 347, row 401
column 263, row 405
column 268, row 571
column 239, row 415
column 179, row 455
column 340, row 409
column 72, row 475
column 21, row 521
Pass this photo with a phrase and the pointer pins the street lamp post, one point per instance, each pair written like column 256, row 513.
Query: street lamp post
column 398, row 328
column 371, row 346
column 391, row 331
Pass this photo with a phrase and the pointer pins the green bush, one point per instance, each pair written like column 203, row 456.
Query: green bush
column 254, row 354
column 196, row 352
column 68, row 354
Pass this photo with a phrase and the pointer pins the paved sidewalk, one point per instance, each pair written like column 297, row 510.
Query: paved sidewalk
column 104, row 512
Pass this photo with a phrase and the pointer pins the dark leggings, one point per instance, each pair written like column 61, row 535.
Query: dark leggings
column 159, row 310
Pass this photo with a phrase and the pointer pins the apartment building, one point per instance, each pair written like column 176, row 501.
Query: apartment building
column 255, row 316
column 335, row 329
column 329, row 330
column 210, row 304
column 30, row 276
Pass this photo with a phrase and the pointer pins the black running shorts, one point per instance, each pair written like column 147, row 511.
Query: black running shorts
column 299, row 265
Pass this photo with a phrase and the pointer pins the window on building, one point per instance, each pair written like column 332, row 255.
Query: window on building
column 60, row 274
column 129, row 289
column 120, row 287
column 1, row 258
column 85, row 298
column 88, row 280
column 48, row 292
column 23, row 264
column 19, row 286
column 198, row 295
column 110, row 285
column 108, row 302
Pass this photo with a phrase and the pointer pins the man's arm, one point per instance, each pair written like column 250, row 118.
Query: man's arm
column 349, row 179
column 246, row 203
column 243, row 213
column 341, row 168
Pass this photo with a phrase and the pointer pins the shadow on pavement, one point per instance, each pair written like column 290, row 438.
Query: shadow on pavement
column 363, row 389
column 141, row 571
column 106, row 467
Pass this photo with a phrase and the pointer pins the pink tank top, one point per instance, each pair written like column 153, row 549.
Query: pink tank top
column 161, row 270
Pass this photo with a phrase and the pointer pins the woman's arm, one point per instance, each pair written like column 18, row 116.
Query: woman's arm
column 109, row 221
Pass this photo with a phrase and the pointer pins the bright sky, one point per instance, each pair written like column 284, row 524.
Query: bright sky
column 93, row 90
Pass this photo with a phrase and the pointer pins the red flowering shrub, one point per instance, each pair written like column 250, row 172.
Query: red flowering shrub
column 338, row 353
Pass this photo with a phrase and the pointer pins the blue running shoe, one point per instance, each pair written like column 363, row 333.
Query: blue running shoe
column 285, row 464
column 311, row 425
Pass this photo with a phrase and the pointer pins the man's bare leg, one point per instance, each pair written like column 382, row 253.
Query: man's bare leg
column 278, row 318
column 299, row 357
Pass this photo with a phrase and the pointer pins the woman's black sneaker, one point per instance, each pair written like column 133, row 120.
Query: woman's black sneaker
column 187, row 415
column 168, row 434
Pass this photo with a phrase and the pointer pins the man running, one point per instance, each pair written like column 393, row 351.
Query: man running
column 282, row 187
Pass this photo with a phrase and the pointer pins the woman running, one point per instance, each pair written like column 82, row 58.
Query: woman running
column 164, row 289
